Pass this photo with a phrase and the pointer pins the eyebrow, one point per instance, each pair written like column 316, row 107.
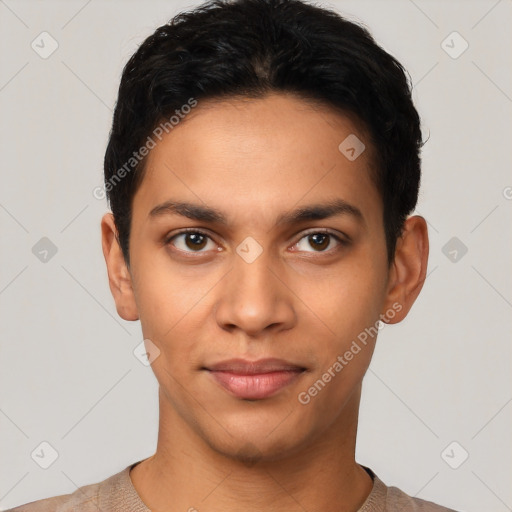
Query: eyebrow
column 214, row 216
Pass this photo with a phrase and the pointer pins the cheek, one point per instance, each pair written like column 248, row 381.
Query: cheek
column 165, row 295
column 348, row 304
column 344, row 351
column 172, row 307
column 346, row 300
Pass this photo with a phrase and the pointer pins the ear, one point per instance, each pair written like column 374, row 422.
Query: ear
column 119, row 277
column 408, row 270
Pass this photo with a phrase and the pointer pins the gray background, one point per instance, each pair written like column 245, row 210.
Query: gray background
column 68, row 375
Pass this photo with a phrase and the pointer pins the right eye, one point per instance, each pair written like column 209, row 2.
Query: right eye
column 190, row 240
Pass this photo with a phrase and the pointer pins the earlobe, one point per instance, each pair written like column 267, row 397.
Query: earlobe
column 119, row 277
column 408, row 270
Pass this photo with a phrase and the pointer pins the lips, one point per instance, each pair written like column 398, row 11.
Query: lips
column 254, row 380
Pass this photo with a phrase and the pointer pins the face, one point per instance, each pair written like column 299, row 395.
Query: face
column 256, row 292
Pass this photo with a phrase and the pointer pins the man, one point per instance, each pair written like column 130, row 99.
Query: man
column 261, row 169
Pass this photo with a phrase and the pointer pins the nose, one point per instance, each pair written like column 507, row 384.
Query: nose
column 255, row 298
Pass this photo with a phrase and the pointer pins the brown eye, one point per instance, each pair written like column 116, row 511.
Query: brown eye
column 195, row 241
column 190, row 241
column 319, row 241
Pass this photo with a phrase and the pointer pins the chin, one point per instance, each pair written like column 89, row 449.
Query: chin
column 252, row 446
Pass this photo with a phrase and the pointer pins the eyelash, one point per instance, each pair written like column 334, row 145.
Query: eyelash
column 313, row 231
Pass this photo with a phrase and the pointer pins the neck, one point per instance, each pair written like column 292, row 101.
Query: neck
column 190, row 475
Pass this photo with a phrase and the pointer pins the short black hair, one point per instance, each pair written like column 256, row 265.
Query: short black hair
column 250, row 48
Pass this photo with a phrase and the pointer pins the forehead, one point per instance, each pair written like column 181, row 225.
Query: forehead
column 255, row 157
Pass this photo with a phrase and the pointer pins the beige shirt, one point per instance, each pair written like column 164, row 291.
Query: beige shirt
column 117, row 494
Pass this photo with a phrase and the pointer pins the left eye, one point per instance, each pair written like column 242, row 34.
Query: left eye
column 320, row 241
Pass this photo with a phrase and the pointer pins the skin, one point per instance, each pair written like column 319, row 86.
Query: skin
column 301, row 300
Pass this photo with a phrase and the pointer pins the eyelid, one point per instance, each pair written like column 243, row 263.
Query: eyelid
column 339, row 235
column 170, row 236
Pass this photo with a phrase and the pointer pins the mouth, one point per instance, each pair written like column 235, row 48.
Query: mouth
column 254, row 380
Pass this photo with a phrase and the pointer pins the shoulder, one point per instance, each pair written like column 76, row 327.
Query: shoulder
column 84, row 499
column 390, row 499
column 397, row 498
column 44, row 505
column 63, row 503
